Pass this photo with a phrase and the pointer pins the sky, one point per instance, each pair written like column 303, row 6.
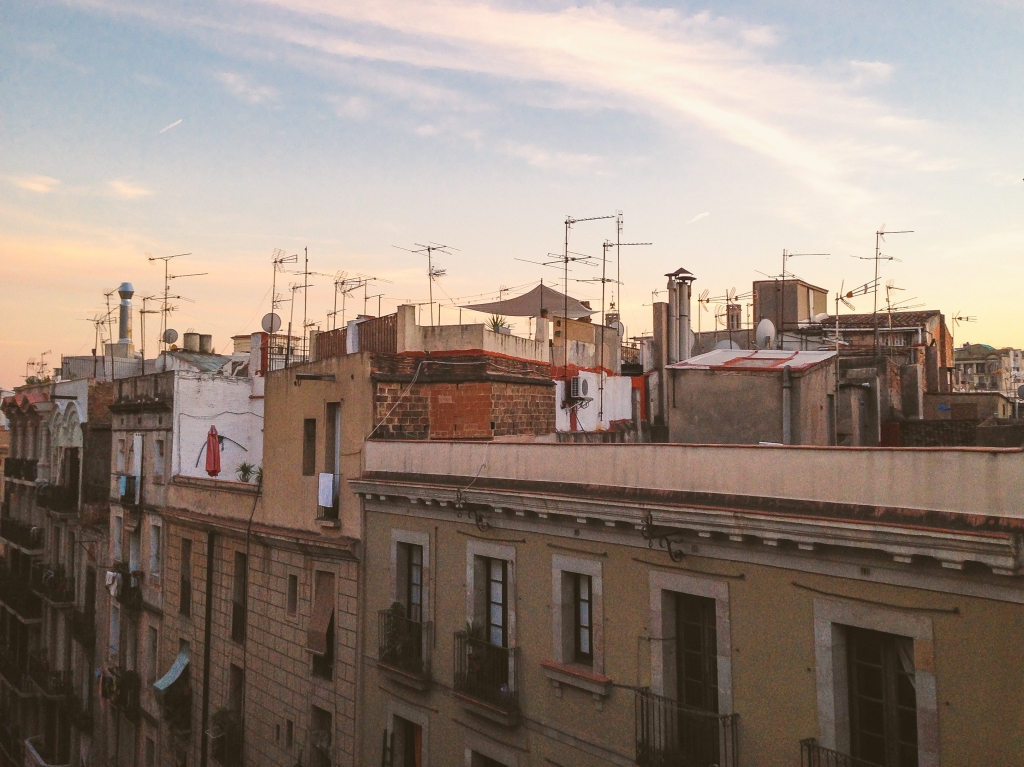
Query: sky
column 725, row 133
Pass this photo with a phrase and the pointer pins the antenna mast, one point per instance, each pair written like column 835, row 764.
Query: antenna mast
column 167, row 309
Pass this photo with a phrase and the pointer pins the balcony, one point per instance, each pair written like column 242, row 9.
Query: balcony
column 128, row 486
column 58, row 498
column 226, row 738
column 15, row 673
column 123, row 691
column 16, row 593
column 37, row 754
column 486, row 677
column 22, row 534
column 20, row 468
column 328, row 499
column 52, row 684
column 11, row 744
column 669, row 734
column 129, row 592
column 403, row 648
column 813, row 755
column 53, row 585
column 83, row 627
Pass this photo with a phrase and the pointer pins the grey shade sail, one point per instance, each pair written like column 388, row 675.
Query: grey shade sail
column 175, row 672
column 530, row 304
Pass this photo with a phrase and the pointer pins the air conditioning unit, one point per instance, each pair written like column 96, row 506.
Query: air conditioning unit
column 578, row 387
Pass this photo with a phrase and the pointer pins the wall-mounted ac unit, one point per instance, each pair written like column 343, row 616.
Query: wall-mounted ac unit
column 578, row 387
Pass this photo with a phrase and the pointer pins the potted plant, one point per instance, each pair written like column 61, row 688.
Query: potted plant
column 245, row 471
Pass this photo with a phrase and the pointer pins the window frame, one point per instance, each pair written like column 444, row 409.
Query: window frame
column 414, row 538
column 564, row 568
column 475, row 589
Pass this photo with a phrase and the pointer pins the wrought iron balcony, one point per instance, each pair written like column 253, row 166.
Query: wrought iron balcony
column 20, row 468
column 59, row 498
column 669, row 734
column 130, row 592
column 128, row 486
column 487, row 673
column 125, row 691
column 53, row 584
column 813, row 755
column 404, row 644
column 16, row 593
column 11, row 743
column 22, row 534
column 51, row 683
column 15, row 672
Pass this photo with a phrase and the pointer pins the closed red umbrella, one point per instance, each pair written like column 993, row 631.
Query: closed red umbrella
column 212, row 453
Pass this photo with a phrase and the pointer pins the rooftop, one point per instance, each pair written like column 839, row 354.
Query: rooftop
column 761, row 360
column 899, row 319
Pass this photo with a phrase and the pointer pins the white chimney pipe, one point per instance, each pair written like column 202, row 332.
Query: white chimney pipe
column 126, row 291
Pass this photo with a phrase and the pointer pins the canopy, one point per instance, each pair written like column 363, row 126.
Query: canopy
column 530, row 305
column 175, row 672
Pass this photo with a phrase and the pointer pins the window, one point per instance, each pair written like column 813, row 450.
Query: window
column 151, row 655
column 309, row 447
column 582, row 619
column 117, row 538
column 696, row 652
column 497, row 602
column 154, row 549
column 320, row 638
column 185, row 588
column 332, row 441
column 120, row 461
column 115, row 632
column 410, row 580
column 158, row 461
column 238, row 598
column 408, row 744
column 883, row 699
column 289, row 733
column 320, row 737
column 293, row 595
column 236, row 690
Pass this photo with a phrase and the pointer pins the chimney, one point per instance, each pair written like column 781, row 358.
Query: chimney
column 190, row 342
column 679, row 289
column 206, row 343
column 126, row 291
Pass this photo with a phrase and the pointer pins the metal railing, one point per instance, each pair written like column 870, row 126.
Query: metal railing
column 11, row 742
column 331, row 512
column 23, row 534
column 60, row 498
column 669, row 734
column 51, row 683
column 53, row 584
column 130, row 593
column 17, row 594
column 404, row 644
column 486, row 672
column 39, row 753
column 813, row 755
column 126, row 692
column 20, row 468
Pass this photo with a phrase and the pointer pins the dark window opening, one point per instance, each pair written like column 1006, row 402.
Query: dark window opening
column 583, row 619
column 696, row 652
column 410, row 580
column 309, row 447
column 497, row 602
column 185, row 586
column 238, row 598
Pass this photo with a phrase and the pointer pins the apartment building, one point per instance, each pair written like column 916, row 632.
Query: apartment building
column 53, row 530
column 557, row 605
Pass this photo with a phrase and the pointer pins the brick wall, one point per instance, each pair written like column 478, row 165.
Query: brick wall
column 522, row 409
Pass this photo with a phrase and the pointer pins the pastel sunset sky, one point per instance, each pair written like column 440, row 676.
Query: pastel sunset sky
column 724, row 133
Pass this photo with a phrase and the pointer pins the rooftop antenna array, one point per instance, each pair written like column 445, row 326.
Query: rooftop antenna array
column 786, row 255
column 878, row 257
column 433, row 272
column 167, row 308
column 957, row 319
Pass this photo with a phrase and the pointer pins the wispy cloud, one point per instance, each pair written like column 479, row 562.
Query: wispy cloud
column 40, row 184
column 239, row 87
column 697, row 218
column 352, row 107
column 127, row 190
column 544, row 158
column 174, row 124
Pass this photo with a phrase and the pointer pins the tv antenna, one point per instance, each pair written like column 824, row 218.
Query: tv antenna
column 433, row 272
column 957, row 319
column 786, row 255
column 167, row 308
column 142, row 322
column 878, row 257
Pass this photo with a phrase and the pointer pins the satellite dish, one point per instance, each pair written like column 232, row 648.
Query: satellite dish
column 170, row 336
column 765, row 334
column 1020, row 392
column 727, row 345
column 822, row 318
column 271, row 323
column 620, row 328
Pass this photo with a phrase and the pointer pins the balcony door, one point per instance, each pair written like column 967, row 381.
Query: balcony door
column 696, row 653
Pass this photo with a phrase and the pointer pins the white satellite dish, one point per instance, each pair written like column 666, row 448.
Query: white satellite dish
column 727, row 345
column 765, row 334
column 619, row 328
column 170, row 336
column 271, row 323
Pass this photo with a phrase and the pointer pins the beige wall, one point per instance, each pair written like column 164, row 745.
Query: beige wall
column 440, row 338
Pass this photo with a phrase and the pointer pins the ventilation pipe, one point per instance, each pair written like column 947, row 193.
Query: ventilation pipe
column 126, row 291
column 679, row 290
column 787, row 406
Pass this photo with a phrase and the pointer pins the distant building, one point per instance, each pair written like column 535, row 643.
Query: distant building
column 980, row 367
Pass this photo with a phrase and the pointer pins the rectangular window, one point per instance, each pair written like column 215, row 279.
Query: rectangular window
column 115, row 632
column 117, row 539
column 309, row 447
column 583, row 620
column 320, row 736
column 238, row 596
column 120, row 461
column 320, row 638
column 236, row 690
column 410, row 580
column 158, row 461
column 883, row 698
column 289, row 733
column 185, row 587
column 408, row 749
column 293, row 595
column 154, row 549
column 497, row 602
column 696, row 652
column 332, row 439
column 151, row 655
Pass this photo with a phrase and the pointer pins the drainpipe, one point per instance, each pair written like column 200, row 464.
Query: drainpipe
column 207, row 630
column 787, row 406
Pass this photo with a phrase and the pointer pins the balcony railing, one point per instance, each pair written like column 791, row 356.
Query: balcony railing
column 83, row 627
column 14, row 672
column 53, row 584
column 16, row 593
column 328, row 484
column 403, row 644
column 22, row 534
column 130, row 592
column 486, row 672
column 813, row 755
column 54, row 684
column 20, row 468
column 37, row 754
column 125, row 692
column 59, row 498
column 672, row 735
column 11, row 742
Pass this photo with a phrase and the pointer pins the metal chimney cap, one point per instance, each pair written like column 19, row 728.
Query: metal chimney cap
column 126, row 290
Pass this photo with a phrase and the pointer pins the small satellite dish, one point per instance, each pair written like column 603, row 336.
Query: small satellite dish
column 822, row 318
column 1020, row 392
column 170, row 336
column 765, row 334
column 271, row 323
column 619, row 328
column 727, row 345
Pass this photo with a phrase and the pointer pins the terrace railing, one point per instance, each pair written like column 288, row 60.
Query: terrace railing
column 669, row 734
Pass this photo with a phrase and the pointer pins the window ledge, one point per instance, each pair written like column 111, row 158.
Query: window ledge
column 600, row 687
column 500, row 716
column 420, row 683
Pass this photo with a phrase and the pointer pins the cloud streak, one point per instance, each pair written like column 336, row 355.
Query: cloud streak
column 174, row 124
column 697, row 218
column 39, row 184
column 237, row 86
column 127, row 190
